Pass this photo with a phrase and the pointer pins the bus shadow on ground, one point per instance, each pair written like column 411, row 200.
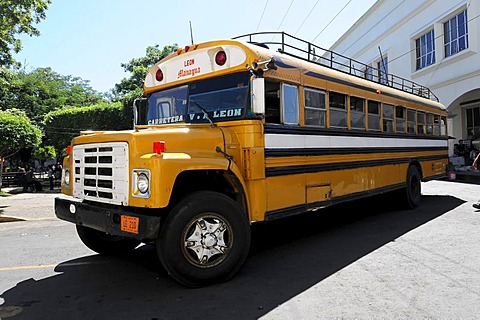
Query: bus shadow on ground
column 286, row 258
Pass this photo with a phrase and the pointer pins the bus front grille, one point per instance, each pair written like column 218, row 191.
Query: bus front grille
column 100, row 172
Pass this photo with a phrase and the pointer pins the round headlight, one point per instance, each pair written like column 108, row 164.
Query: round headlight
column 142, row 183
column 66, row 176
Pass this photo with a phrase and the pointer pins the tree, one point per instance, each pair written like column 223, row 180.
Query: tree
column 6, row 78
column 130, row 88
column 17, row 17
column 61, row 126
column 44, row 153
column 42, row 90
column 16, row 132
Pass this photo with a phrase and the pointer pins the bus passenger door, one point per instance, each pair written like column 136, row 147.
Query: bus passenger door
column 272, row 102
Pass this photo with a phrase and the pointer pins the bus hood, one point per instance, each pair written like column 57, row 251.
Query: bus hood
column 194, row 141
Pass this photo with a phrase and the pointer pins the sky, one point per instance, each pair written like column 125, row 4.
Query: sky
column 90, row 39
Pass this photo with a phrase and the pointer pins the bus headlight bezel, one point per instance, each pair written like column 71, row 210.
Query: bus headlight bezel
column 141, row 183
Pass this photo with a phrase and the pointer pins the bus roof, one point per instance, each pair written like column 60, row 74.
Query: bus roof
column 200, row 61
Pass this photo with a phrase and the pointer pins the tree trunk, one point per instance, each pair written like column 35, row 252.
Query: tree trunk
column 1, row 172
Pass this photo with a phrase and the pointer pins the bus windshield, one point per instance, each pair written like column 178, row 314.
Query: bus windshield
column 167, row 106
column 217, row 99
column 222, row 98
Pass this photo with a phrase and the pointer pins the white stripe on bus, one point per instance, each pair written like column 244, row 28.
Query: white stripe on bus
column 279, row 141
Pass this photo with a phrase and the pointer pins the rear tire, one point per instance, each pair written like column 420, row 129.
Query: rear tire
column 413, row 188
column 105, row 244
column 204, row 240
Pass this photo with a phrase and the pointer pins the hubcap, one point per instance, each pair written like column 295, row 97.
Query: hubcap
column 207, row 240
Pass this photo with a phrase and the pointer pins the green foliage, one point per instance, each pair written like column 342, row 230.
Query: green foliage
column 16, row 132
column 6, row 78
column 4, row 194
column 43, row 90
column 44, row 153
column 61, row 126
column 62, row 105
column 17, row 17
column 130, row 88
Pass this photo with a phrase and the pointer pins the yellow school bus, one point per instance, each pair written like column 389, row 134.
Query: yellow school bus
column 239, row 131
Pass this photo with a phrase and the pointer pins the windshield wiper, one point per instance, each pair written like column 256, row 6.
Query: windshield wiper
column 205, row 113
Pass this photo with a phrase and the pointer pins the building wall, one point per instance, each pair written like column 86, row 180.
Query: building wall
column 390, row 29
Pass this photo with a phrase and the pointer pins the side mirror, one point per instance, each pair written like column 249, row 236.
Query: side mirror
column 139, row 107
column 258, row 95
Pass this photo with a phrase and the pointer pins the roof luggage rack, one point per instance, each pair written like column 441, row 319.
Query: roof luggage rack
column 305, row 50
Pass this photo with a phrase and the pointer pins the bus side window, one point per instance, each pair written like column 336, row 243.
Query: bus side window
column 373, row 115
column 338, row 110
column 411, row 121
column 429, row 123
column 290, row 104
column 387, row 118
column 272, row 102
column 399, row 119
column 315, row 109
column 357, row 113
column 443, row 126
column 165, row 108
column 421, row 122
column 436, row 125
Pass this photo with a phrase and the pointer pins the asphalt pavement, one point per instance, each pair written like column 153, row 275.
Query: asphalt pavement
column 28, row 205
column 368, row 259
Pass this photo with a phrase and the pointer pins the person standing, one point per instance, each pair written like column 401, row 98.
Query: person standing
column 22, row 178
column 51, row 177
column 29, row 180
column 475, row 164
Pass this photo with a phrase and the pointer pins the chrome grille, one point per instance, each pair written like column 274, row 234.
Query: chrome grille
column 100, row 172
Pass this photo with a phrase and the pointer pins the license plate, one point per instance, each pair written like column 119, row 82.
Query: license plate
column 129, row 224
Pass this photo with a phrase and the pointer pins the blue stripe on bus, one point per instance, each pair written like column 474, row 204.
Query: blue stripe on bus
column 296, row 130
column 281, row 64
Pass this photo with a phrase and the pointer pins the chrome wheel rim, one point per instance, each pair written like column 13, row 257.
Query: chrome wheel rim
column 206, row 240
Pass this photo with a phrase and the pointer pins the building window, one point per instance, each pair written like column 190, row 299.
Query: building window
column 315, row 108
column 368, row 73
column 338, row 110
column 382, row 67
column 473, row 122
column 357, row 113
column 455, row 33
column 290, row 104
column 425, row 50
column 374, row 115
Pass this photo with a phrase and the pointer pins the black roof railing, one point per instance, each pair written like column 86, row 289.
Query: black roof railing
column 305, row 50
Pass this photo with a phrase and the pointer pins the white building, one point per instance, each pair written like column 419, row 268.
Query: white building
column 432, row 42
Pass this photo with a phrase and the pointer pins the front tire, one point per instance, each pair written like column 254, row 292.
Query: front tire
column 105, row 244
column 205, row 239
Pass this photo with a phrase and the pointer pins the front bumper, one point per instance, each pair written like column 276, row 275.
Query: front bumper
column 108, row 220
